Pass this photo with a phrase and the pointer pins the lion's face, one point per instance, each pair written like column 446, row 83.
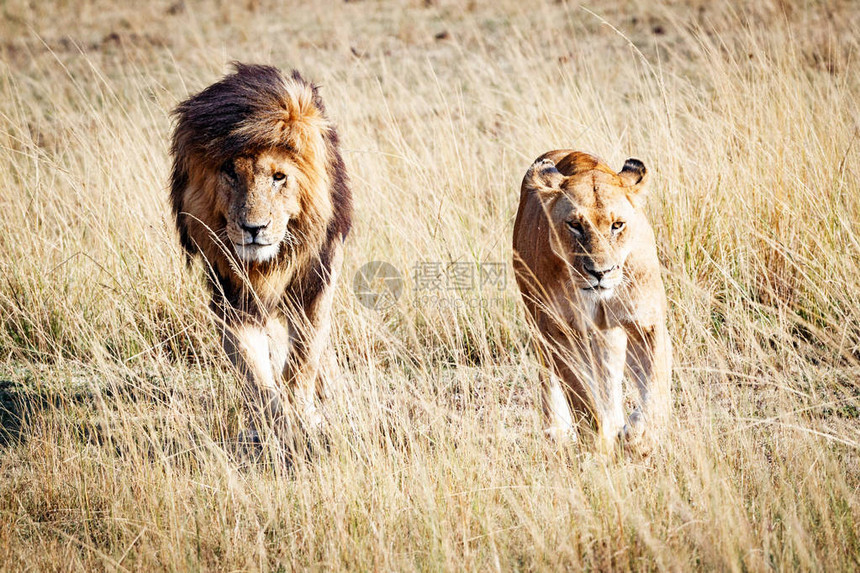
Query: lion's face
column 593, row 220
column 261, row 196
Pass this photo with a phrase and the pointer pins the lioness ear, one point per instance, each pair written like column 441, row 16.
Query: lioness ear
column 543, row 177
column 634, row 175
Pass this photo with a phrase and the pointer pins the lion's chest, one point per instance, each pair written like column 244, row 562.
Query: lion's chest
column 268, row 287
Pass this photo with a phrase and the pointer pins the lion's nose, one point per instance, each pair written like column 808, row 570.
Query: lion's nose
column 598, row 274
column 253, row 229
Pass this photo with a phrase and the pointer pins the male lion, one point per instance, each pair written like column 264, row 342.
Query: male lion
column 586, row 264
column 259, row 191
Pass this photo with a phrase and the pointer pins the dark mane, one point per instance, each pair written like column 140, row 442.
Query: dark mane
column 219, row 123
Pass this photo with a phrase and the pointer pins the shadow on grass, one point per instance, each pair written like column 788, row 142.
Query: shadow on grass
column 24, row 409
column 18, row 404
column 10, row 412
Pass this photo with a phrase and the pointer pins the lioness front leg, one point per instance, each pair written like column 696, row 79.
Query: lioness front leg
column 607, row 358
column 649, row 361
column 565, row 400
column 556, row 409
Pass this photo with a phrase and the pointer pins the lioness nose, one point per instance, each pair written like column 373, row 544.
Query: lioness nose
column 598, row 274
column 253, row 229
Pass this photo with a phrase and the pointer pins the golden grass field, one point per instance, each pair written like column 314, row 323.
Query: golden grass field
column 120, row 412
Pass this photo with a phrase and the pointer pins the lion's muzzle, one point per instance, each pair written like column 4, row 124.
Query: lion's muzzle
column 254, row 241
column 256, row 252
column 252, row 230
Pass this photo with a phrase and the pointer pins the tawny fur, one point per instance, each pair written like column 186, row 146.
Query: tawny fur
column 586, row 264
column 259, row 192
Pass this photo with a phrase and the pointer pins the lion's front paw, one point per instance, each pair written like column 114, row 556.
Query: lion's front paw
column 634, row 429
column 635, row 426
column 250, row 445
column 562, row 434
column 249, row 436
column 312, row 420
column 636, row 433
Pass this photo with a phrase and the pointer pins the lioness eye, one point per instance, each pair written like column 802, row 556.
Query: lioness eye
column 575, row 227
column 279, row 176
column 617, row 226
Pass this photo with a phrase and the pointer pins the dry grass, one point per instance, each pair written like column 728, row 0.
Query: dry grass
column 121, row 415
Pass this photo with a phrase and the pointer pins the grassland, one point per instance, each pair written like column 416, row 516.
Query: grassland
column 120, row 413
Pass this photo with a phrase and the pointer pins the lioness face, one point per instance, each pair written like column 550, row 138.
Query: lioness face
column 591, row 232
column 261, row 196
column 593, row 218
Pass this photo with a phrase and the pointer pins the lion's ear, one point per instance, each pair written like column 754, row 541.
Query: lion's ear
column 634, row 175
column 543, row 177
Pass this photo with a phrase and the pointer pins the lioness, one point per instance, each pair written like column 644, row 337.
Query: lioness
column 586, row 264
column 259, row 191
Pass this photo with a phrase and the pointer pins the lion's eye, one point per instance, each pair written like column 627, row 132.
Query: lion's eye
column 575, row 227
column 229, row 170
column 617, row 226
column 279, row 176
